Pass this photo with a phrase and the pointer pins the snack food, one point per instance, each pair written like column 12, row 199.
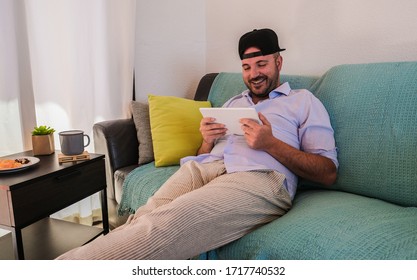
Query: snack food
column 22, row 160
column 12, row 163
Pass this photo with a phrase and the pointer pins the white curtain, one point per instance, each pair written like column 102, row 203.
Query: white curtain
column 67, row 64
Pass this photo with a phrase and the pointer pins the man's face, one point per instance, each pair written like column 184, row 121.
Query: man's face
column 261, row 73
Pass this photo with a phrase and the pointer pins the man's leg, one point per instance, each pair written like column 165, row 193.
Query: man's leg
column 191, row 176
column 222, row 211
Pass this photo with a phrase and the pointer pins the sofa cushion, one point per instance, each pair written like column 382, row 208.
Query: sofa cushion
column 140, row 113
column 373, row 112
column 330, row 225
column 142, row 183
column 175, row 124
column 227, row 85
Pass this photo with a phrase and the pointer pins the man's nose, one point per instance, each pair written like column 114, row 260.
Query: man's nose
column 254, row 72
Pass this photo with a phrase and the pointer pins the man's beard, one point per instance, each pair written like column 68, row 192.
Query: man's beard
column 270, row 86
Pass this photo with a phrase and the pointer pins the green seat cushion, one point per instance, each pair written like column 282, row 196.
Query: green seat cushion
column 331, row 225
column 142, row 183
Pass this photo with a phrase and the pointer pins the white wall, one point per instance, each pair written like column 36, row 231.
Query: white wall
column 317, row 34
column 170, row 47
column 179, row 41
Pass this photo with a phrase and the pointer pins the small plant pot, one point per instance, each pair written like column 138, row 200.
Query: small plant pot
column 43, row 144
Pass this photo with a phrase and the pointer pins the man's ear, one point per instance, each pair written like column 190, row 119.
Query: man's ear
column 278, row 61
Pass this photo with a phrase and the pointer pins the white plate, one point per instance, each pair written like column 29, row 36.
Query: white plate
column 32, row 161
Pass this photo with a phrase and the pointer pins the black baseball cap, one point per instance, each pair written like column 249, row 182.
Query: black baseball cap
column 264, row 39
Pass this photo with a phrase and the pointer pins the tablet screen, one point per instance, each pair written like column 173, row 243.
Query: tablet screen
column 230, row 117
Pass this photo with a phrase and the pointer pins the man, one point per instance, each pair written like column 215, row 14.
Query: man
column 235, row 183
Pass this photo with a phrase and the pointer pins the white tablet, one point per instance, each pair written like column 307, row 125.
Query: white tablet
column 230, row 117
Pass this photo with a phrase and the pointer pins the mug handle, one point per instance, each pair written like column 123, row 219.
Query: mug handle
column 88, row 140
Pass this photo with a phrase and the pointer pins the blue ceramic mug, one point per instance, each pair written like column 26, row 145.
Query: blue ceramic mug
column 72, row 142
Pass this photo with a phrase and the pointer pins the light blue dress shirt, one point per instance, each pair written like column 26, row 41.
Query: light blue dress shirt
column 297, row 117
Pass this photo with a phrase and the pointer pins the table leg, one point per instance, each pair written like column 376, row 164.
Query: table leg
column 104, row 211
column 17, row 243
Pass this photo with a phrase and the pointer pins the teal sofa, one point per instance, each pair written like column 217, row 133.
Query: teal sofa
column 370, row 212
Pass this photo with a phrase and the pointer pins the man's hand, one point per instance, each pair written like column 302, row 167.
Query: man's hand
column 257, row 136
column 210, row 132
column 309, row 166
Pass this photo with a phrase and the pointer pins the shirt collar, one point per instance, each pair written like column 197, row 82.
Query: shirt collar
column 282, row 89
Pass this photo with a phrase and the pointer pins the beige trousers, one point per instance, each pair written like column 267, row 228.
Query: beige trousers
column 201, row 207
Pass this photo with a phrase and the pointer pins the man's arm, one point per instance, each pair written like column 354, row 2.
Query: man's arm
column 312, row 167
column 210, row 132
column 309, row 166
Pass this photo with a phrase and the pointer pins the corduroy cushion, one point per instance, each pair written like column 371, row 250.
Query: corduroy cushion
column 175, row 128
column 140, row 113
column 373, row 112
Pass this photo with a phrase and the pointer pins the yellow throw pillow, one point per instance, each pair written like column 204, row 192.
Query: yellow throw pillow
column 175, row 127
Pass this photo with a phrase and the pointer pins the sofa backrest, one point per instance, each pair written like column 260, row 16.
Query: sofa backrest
column 373, row 110
column 227, row 85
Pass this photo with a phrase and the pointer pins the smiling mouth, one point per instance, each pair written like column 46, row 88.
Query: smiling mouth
column 258, row 81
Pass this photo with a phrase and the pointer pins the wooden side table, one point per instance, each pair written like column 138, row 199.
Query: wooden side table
column 28, row 197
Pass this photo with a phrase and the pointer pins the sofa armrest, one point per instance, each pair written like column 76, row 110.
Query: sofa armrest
column 117, row 140
column 204, row 86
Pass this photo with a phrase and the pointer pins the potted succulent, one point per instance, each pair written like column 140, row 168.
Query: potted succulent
column 43, row 140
